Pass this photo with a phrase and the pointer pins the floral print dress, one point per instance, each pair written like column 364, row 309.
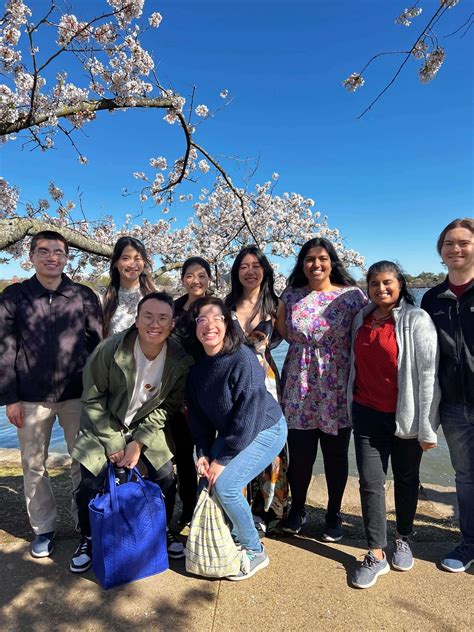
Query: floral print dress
column 316, row 368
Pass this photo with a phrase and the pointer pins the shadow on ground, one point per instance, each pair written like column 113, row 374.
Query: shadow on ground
column 30, row 588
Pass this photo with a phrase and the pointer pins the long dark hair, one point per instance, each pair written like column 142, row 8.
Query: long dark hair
column 145, row 279
column 232, row 339
column 338, row 276
column 267, row 301
column 390, row 266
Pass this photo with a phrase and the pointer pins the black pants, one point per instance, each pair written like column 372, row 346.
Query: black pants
column 375, row 442
column 303, row 448
column 91, row 485
column 184, row 459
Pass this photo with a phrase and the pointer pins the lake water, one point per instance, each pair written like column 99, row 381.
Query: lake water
column 435, row 464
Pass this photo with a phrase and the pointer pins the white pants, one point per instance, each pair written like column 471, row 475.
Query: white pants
column 34, row 440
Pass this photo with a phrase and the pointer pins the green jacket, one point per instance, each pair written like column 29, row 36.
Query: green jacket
column 109, row 380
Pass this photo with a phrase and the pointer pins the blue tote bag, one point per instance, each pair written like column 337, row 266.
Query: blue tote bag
column 128, row 529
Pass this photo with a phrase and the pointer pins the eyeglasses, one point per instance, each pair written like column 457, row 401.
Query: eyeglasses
column 215, row 320
column 44, row 253
column 148, row 319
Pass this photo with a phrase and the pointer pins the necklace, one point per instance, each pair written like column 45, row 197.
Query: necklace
column 378, row 322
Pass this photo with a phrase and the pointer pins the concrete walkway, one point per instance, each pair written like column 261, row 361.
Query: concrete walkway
column 305, row 587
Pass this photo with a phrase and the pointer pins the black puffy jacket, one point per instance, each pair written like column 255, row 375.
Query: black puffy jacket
column 454, row 320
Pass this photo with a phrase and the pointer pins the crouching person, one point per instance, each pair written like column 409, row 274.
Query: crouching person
column 240, row 431
column 132, row 384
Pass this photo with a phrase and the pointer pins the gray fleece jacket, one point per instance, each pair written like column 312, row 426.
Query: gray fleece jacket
column 418, row 389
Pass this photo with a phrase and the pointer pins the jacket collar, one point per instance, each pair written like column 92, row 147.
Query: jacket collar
column 66, row 287
column 176, row 358
column 446, row 292
column 370, row 307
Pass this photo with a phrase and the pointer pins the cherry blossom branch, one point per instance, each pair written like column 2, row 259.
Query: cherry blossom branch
column 434, row 18
column 79, row 32
column 89, row 106
column 235, row 191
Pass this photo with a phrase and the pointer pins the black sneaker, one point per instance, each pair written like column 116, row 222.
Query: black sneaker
column 294, row 521
column 81, row 560
column 175, row 546
column 42, row 545
column 332, row 529
column 185, row 520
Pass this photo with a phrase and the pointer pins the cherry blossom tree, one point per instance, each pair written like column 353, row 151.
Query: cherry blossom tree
column 39, row 101
column 425, row 48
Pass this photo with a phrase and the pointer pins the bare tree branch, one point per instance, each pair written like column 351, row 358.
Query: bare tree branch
column 434, row 18
column 14, row 230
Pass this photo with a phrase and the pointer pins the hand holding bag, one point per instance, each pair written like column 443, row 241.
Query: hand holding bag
column 128, row 529
column 210, row 549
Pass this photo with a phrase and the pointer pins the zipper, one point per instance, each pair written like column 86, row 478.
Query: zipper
column 52, row 329
column 459, row 338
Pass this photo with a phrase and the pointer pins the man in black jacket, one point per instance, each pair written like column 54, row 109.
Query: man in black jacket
column 451, row 306
column 48, row 328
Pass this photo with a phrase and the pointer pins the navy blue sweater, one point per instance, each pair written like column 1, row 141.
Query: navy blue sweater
column 226, row 394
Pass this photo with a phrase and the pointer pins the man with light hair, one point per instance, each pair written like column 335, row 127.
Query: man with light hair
column 451, row 307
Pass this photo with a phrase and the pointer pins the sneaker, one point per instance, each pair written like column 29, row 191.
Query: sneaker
column 459, row 560
column 184, row 520
column 260, row 525
column 294, row 521
column 402, row 558
column 175, row 546
column 81, row 559
column 366, row 575
column 256, row 561
column 332, row 529
column 42, row 545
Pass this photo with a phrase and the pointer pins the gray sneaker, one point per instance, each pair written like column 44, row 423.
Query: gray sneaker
column 367, row 574
column 42, row 545
column 402, row 558
column 256, row 561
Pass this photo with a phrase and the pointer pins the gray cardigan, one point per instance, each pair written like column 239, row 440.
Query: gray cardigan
column 418, row 389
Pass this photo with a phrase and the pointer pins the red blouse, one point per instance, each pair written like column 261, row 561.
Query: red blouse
column 376, row 359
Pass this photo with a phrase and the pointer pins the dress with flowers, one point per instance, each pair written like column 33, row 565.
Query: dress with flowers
column 316, row 368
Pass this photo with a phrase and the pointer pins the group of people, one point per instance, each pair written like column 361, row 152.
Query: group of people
column 189, row 388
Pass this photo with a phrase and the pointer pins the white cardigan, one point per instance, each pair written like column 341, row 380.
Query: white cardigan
column 419, row 393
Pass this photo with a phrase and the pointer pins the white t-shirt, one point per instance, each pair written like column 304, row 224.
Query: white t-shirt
column 149, row 374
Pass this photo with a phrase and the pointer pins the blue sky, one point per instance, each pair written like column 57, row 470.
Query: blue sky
column 390, row 181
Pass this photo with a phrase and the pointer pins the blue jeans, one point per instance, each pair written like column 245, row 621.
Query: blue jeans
column 239, row 472
column 457, row 421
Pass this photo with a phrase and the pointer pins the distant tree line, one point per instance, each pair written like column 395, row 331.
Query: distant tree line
column 425, row 279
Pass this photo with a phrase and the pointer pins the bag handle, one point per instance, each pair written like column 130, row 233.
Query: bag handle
column 113, row 487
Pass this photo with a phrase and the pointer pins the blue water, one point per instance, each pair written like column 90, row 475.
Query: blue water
column 435, row 465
